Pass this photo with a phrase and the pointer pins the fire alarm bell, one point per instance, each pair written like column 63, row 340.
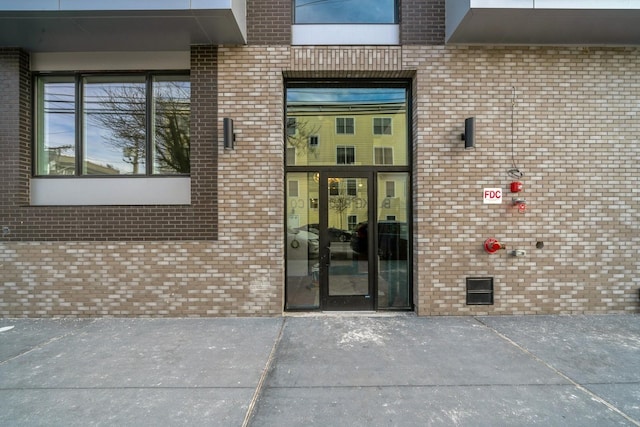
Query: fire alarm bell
column 516, row 187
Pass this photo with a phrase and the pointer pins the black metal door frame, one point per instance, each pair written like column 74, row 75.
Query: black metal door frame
column 345, row 302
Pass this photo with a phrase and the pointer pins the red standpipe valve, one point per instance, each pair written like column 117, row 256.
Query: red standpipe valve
column 492, row 246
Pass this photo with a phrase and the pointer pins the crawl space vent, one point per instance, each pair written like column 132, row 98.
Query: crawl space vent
column 479, row 290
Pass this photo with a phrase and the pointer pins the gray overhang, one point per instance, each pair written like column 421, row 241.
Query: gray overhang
column 120, row 25
column 543, row 22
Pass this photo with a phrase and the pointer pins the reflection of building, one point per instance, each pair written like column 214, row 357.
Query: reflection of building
column 340, row 133
column 66, row 165
column 347, row 134
column 555, row 106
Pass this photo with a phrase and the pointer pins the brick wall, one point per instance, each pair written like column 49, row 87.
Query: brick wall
column 15, row 131
column 576, row 127
column 422, row 22
column 269, row 22
column 240, row 273
column 576, row 140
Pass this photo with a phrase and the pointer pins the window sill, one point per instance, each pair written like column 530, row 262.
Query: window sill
column 341, row 34
column 110, row 191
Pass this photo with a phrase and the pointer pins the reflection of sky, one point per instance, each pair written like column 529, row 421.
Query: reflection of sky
column 59, row 132
column 59, row 122
column 345, row 11
column 100, row 151
column 346, row 95
column 117, row 103
column 112, row 99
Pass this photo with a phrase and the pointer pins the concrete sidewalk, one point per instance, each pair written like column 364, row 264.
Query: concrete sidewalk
column 326, row 370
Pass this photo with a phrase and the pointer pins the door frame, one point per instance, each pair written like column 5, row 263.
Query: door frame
column 345, row 302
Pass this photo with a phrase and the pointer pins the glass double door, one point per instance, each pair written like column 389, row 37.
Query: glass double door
column 352, row 253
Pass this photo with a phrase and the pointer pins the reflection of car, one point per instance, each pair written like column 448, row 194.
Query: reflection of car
column 311, row 228
column 302, row 244
column 393, row 239
column 335, row 234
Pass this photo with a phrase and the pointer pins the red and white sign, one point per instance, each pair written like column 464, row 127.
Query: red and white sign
column 492, row 196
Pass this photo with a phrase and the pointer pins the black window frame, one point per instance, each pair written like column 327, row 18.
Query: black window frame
column 78, row 77
column 317, row 170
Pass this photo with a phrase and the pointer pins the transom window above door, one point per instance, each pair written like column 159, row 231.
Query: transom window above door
column 351, row 122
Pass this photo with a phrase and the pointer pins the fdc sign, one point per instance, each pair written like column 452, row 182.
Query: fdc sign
column 492, row 196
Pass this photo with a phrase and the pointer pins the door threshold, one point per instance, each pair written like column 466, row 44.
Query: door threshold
column 350, row 314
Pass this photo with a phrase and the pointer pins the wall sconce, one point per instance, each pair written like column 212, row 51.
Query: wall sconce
column 228, row 136
column 469, row 133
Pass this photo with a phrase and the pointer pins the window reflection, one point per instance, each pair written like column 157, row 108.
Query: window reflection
column 356, row 126
column 114, row 125
column 56, row 126
column 303, row 245
column 126, row 122
column 393, row 241
column 172, row 111
column 345, row 11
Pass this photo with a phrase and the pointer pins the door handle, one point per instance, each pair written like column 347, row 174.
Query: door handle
column 326, row 258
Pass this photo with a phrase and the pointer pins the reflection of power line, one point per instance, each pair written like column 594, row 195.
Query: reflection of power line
column 312, row 2
column 339, row 96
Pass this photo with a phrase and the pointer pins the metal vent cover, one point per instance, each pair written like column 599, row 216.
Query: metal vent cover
column 479, row 290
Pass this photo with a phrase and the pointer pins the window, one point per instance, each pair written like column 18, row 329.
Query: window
column 313, row 203
column 291, row 156
column 128, row 125
column 352, row 187
column 352, row 221
column 382, row 125
column 390, row 187
column 334, row 187
column 292, row 126
column 345, row 12
column 345, row 126
column 293, row 189
column 314, row 141
column 55, row 126
column 345, row 155
column 383, row 156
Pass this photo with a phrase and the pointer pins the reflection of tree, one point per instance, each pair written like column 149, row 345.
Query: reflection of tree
column 298, row 134
column 172, row 129
column 121, row 109
column 123, row 112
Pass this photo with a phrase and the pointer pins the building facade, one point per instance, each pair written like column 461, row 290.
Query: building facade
column 248, row 158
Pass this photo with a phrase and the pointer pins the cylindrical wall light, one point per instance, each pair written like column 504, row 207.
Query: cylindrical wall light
column 469, row 133
column 228, row 136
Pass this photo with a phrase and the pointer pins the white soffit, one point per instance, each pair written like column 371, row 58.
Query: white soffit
column 543, row 22
column 120, row 25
